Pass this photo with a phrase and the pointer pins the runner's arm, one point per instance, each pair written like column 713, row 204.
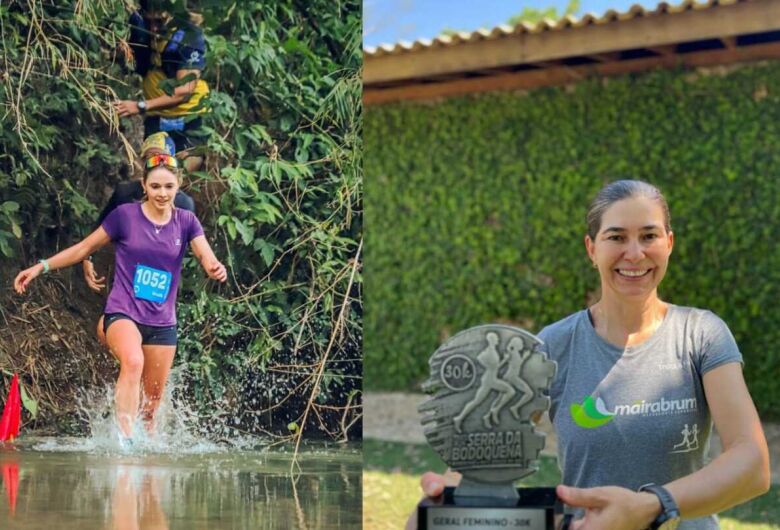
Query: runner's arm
column 209, row 262
column 180, row 94
column 741, row 471
column 76, row 253
column 65, row 258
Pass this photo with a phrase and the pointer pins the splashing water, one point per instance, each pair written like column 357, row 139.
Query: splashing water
column 196, row 470
column 178, row 428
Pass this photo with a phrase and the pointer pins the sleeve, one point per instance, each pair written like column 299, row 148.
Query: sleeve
column 110, row 207
column 194, row 228
column 192, row 51
column 184, row 201
column 560, row 338
column 124, row 193
column 716, row 343
column 113, row 224
column 544, row 336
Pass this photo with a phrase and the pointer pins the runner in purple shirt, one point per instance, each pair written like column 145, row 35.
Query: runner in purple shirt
column 139, row 324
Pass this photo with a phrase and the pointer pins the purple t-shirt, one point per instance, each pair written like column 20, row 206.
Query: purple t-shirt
column 148, row 263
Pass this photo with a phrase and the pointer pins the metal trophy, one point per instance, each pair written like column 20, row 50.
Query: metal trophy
column 488, row 382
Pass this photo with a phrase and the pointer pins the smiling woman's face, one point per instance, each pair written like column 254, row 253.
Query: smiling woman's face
column 631, row 249
column 161, row 185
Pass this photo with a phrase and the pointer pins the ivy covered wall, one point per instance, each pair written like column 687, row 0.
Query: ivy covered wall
column 475, row 207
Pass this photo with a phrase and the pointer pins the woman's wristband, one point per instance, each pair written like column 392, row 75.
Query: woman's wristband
column 45, row 264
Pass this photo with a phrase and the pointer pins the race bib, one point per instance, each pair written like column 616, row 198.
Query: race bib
column 151, row 284
column 171, row 124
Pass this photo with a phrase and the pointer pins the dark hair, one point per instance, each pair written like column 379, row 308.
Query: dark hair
column 617, row 191
column 156, row 5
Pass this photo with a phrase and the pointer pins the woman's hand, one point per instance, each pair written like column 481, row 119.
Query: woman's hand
column 611, row 507
column 24, row 278
column 216, row 271
column 91, row 277
column 209, row 262
column 126, row 108
column 432, row 485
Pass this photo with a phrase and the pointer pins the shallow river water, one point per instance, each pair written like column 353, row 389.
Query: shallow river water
column 63, row 484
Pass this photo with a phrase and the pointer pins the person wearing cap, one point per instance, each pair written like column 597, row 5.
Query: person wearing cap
column 169, row 53
column 150, row 239
column 131, row 191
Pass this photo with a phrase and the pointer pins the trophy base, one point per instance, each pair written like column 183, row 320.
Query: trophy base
column 534, row 510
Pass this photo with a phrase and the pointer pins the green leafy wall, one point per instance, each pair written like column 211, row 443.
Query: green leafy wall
column 476, row 208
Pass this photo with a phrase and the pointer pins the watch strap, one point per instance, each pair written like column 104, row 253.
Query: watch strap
column 669, row 509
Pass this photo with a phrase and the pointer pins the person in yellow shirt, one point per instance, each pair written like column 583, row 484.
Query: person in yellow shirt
column 170, row 55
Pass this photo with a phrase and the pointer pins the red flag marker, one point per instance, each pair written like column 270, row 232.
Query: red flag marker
column 12, row 412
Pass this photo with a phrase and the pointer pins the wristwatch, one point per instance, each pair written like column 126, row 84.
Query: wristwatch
column 669, row 517
column 141, row 106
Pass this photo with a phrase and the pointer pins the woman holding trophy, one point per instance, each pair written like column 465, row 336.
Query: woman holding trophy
column 640, row 381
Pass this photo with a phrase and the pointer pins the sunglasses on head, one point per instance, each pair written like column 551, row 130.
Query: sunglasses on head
column 161, row 160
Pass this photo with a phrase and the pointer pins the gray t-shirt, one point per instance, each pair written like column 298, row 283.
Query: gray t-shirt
column 633, row 415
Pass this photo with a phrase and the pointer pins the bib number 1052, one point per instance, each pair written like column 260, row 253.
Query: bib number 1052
column 151, row 284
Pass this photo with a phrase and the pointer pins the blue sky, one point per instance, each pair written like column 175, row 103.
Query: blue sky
column 391, row 21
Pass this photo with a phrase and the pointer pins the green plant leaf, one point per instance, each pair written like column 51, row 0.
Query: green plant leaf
column 29, row 403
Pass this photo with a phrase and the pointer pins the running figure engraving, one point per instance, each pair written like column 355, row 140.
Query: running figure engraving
column 690, row 439
column 517, row 354
column 491, row 360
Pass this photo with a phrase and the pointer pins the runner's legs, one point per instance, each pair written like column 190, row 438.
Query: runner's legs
column 158, row 360
column 124, row 342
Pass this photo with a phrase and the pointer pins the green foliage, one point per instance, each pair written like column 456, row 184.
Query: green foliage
column 29, row 403
column 54, row 134
column 280, row 198
column 289, row 215
column 477, row 208
column 532, row 15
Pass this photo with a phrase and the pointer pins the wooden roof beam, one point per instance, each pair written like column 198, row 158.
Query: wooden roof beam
column 605, row 57
column 497, row 71
column 663, row 50
column 729, row 43
column 531, row 79
column 548, row 64
column 642, row 32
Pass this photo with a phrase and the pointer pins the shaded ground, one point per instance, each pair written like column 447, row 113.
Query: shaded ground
column 48, row 337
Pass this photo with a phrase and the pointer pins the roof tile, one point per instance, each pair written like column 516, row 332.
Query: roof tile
column 568, row 23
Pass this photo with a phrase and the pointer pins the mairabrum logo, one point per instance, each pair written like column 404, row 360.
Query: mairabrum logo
column 591, row 414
